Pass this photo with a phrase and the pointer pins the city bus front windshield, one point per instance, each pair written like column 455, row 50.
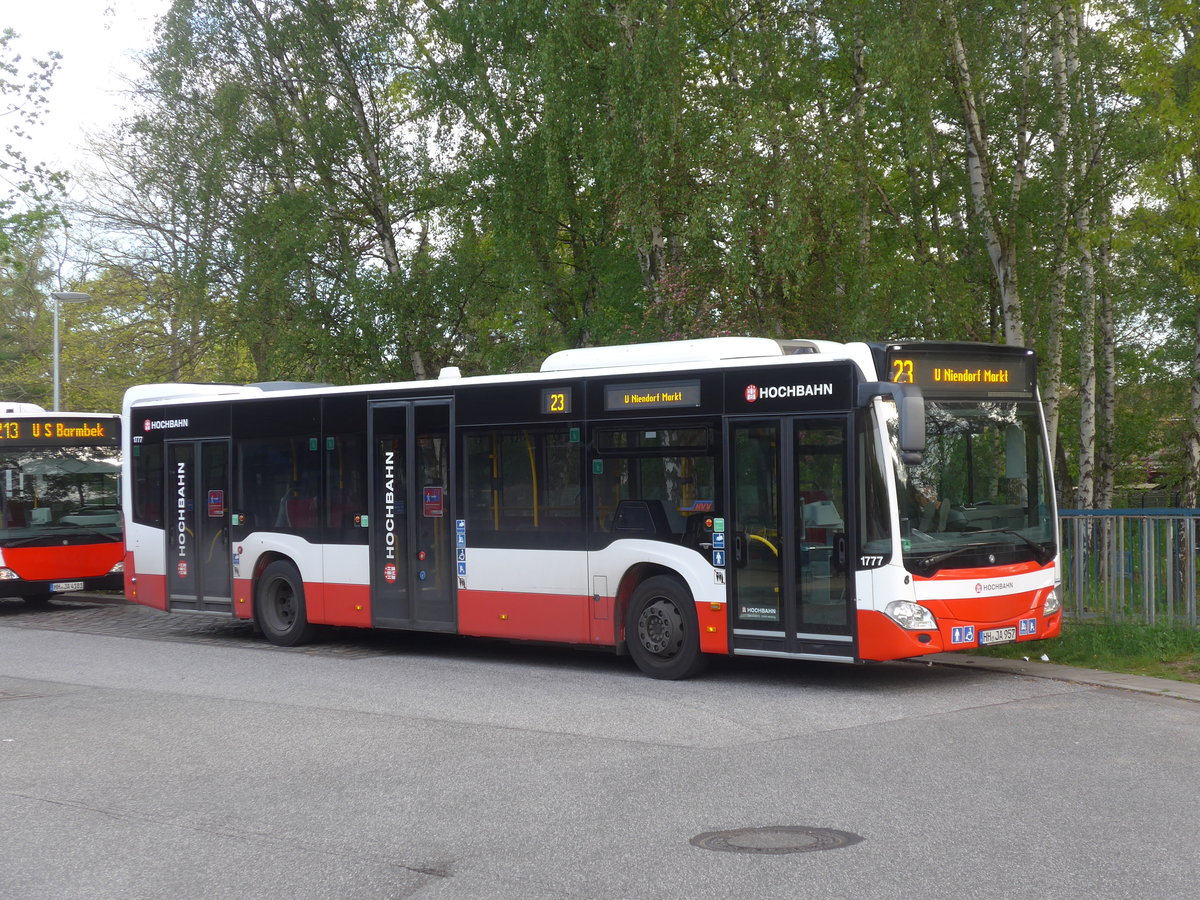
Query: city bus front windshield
column 981, row 496
column 59, row 496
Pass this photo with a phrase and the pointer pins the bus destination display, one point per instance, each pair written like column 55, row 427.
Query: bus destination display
column 58, row 431
column 938, row 374
column 652, row 395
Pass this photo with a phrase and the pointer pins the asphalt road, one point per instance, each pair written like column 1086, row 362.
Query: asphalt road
column 153, row 755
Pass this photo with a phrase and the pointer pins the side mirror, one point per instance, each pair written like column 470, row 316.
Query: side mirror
column 912, row 426
column 910, row 405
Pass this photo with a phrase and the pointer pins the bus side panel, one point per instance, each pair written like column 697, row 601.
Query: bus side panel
column 706, row 583
column 243, row 598
column 523, row 616
column 346, row 593
column 147, row 590
column 341, row 604
column 145, row 565
column 325, row 604
column 526, row 595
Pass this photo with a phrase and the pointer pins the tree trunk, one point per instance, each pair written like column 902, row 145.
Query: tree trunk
column 1086, row 490
column 1087, row 309
column 1051, row 372
column 1107, row 462
column 1001, row 242
column 1192, row 481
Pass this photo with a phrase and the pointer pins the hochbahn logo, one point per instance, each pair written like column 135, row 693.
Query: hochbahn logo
column 159, row 424
column 981, row 586
column 389, row 516
column 181, row 520
column 784, row 391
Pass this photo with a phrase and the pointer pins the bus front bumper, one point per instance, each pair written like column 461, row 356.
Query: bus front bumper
column 881, row 638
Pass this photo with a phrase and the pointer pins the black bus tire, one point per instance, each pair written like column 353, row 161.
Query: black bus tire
column 661, row 630
column 279, row 606
column 37, row 601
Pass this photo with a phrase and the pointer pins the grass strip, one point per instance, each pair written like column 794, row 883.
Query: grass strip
column 1160, row 651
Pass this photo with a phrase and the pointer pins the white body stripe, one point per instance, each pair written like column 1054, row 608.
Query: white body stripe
column 346, row 564
column 571, row 572
column 527, row 571
column 617, row 558
column 1001, row 586
column 148, row 546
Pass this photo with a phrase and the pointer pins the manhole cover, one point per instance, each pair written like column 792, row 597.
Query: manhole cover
column 775, row 839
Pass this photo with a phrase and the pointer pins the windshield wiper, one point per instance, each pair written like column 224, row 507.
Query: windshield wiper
column 1041, row 552
column 931, row 564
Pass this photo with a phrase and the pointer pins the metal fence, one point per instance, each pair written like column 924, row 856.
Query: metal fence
column 1137, row 565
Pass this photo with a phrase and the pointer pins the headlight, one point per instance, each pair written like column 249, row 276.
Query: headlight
column 910, row 615
column 1053, row 603
column 117, row 569
column 9, row 575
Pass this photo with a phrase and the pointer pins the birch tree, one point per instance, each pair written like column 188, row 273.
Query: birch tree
column 997, row 218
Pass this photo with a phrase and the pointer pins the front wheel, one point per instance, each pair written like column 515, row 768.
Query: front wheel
column 279, row 606
column 37, row 601
column 661, row 629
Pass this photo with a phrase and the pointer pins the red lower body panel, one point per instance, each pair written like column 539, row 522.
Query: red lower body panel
column 325, row 604
column 339, row 604
column 148, row 590
column 528, row 617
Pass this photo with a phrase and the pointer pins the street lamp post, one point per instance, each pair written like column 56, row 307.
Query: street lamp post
column 62, row 297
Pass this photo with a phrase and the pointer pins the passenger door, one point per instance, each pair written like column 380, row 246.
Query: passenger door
column 792, row 591
column 199, row 573
column 412, row 549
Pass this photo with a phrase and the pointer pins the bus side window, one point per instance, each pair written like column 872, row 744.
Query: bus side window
column 147, row 485
column 654, row 482
column 522, row 487
column 278, row 482
column 345, row 480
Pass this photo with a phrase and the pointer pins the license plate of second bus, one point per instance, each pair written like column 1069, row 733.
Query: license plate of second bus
column 997, row 636
column 59, row 586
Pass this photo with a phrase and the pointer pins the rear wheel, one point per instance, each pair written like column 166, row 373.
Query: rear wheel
column 661, row 630
column 279, row 606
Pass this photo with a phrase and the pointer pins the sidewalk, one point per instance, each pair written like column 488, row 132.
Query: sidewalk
column 1163, row 687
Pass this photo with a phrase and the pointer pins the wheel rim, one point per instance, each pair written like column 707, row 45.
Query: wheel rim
column 283, row 604
column 660, row 628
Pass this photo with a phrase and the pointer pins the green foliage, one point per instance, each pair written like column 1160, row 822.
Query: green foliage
column 354, row 190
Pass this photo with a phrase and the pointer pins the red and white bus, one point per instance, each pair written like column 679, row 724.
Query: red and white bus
column 60, row 518
column 744, row 496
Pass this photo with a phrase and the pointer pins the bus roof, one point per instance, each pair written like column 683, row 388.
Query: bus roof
column 20, row 409
column 701, row 350
column 722, row 352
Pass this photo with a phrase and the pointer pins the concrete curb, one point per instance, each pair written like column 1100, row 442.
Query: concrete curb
column 1162, row 687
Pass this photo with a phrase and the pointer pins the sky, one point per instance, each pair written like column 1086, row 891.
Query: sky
column 99, row 41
